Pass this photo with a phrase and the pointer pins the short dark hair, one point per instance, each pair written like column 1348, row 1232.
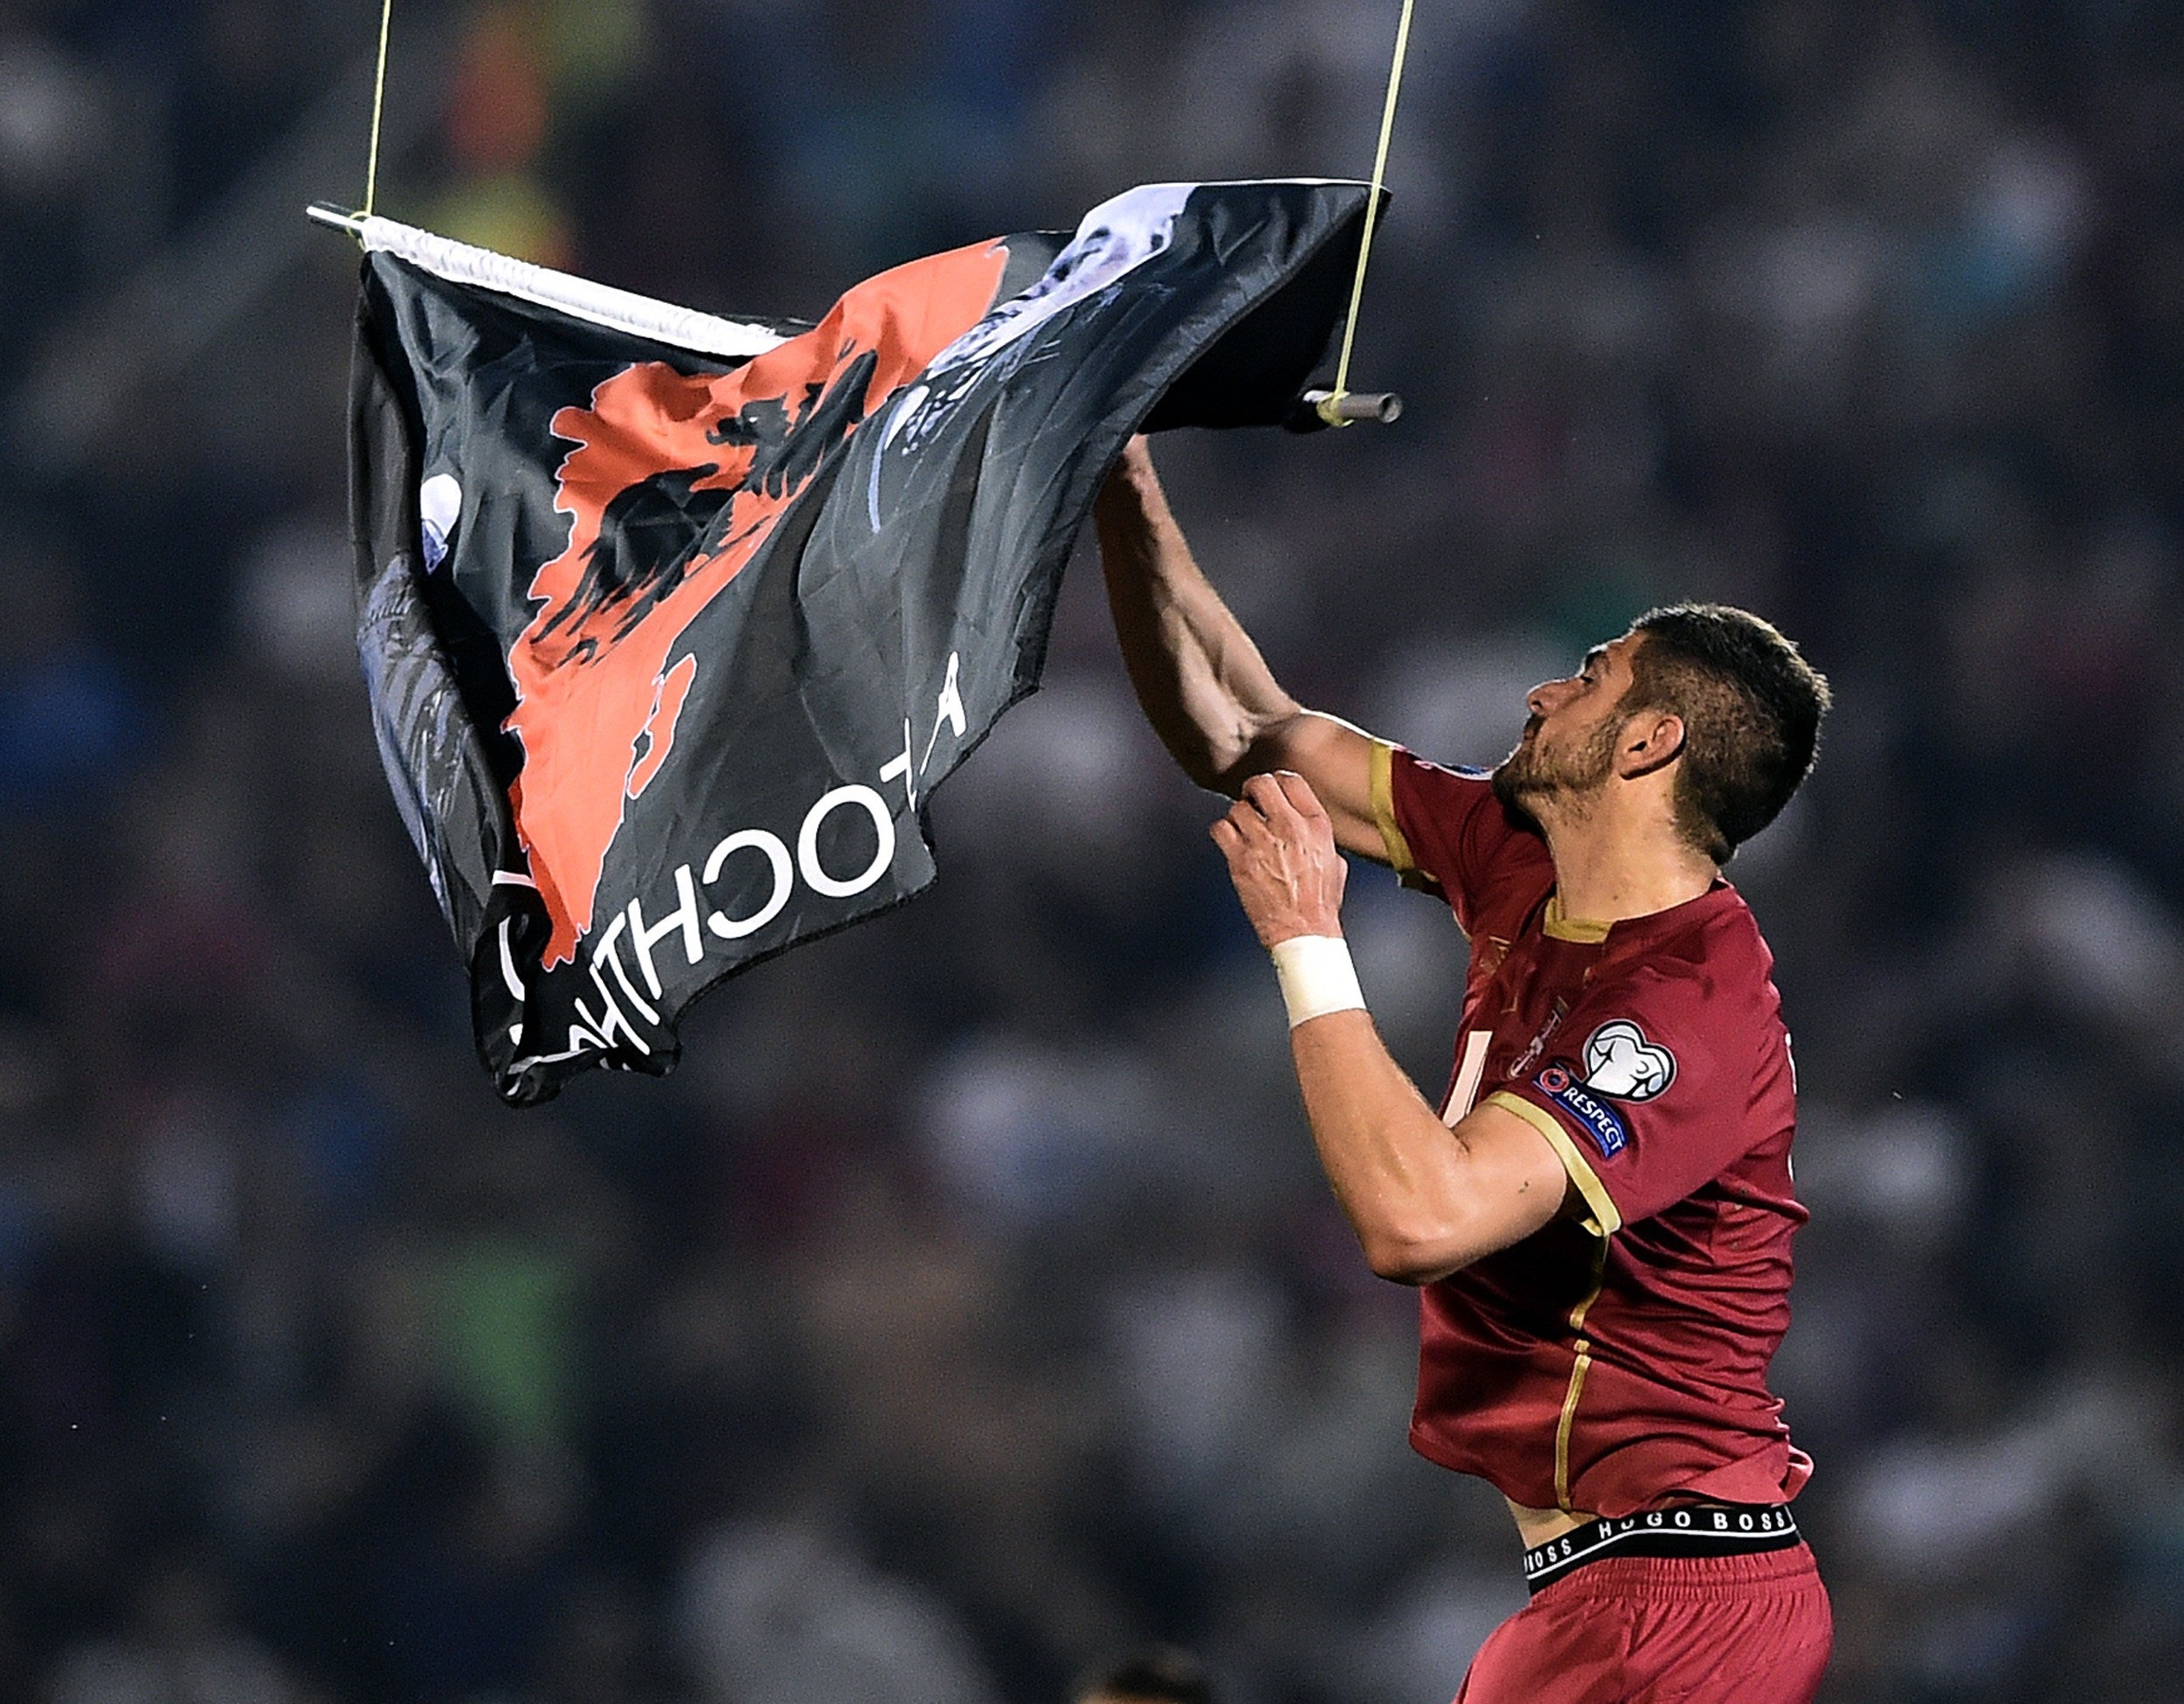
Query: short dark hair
column 1752, row 708
column 1159, row 1674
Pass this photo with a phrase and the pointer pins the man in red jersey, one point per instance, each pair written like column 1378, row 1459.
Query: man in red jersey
column 1599, row 1215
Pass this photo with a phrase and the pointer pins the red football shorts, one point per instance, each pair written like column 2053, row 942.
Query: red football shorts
column 1663, row 1629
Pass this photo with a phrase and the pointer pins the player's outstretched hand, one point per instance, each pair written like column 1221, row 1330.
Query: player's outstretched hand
column 1281, row 851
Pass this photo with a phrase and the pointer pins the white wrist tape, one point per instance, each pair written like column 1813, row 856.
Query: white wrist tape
column 1317, row 976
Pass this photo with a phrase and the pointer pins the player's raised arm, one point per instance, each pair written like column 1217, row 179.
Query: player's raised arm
column 1201, row 681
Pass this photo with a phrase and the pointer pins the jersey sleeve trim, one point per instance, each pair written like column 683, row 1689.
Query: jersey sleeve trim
column 1383, row 788
column 1605, row 1220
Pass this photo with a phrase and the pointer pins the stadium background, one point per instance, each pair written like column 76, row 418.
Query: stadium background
column 968, row 1305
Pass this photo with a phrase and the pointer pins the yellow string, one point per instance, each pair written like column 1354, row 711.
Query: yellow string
column 378, row 101
column 1372, row 217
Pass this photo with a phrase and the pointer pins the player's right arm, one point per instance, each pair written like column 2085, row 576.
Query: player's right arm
column 1203, row 684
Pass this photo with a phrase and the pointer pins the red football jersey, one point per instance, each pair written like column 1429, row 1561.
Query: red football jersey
column 1611, row 1360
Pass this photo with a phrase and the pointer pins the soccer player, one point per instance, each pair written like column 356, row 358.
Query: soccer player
column 1599, row 1214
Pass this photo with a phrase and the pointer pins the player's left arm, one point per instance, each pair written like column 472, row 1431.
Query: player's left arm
column 1424, row 1199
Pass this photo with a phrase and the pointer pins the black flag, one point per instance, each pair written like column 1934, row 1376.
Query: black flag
column 673, row 625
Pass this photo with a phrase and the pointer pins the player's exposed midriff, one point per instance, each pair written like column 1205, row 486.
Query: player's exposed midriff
column 1536, row 1526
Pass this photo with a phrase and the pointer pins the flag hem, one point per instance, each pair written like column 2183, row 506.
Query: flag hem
column 580, row 297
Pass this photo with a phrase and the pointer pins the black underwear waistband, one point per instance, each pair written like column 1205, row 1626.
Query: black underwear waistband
column 1694, row 1529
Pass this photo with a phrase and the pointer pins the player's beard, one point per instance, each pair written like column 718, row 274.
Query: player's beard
column 1532, row 773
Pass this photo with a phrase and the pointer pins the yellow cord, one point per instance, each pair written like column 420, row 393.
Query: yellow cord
column 378, row 100
column 1332, row 401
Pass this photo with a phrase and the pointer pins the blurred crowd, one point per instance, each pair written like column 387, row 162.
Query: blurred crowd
column 968, row 1308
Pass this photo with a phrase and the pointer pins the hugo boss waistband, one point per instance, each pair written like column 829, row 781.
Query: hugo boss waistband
column 1693, row 1529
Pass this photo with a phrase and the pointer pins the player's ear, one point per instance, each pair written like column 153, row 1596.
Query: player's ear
column 1651, row 740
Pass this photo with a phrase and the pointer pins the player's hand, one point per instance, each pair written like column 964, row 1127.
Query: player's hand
column 1281, row 851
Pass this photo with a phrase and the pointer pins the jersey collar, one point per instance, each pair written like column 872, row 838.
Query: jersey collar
column 1556, row 927
column 1583, row 930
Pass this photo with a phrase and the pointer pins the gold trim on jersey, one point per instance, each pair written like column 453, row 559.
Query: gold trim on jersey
column 1383, row 793
column 1605, row 1220
column 1579, row 1368
column 1556, row 927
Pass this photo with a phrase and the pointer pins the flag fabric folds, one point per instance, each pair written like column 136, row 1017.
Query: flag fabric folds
column 671, row 624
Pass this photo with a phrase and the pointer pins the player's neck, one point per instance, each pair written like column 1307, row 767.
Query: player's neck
column 1608, row 868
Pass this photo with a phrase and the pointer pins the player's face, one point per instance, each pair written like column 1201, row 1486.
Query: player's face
column 1567, row 748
